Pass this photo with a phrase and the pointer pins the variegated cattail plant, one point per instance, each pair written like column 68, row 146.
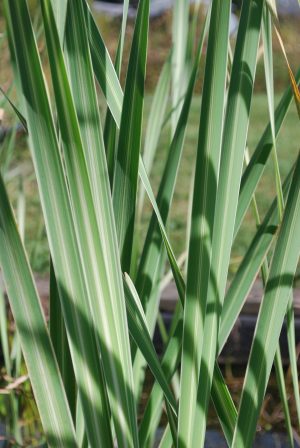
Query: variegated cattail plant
column 86, row 371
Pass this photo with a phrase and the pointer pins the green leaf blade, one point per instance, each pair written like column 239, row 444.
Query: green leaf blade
column 126, row 171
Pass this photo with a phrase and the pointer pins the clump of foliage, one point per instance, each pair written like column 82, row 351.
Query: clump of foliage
column 87, row 369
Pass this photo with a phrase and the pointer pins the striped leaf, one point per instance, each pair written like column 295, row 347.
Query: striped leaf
column 59, row 225
column 151, row 249
column 110, row 126
column 233, row 147
column 35, row 340
column 271, row 316
column 268, row 63
column 260, row 156
column 60, row 343
column 60, row 11
column 93, row 216
column 126, row 172
column 180, row 28
column 204, row 196
column 247, row 272
column 174, row 266
column 103, row 67
column 155, row 122
column 139, row 331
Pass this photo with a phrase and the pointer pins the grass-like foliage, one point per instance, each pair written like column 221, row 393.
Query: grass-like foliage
column 87, row 368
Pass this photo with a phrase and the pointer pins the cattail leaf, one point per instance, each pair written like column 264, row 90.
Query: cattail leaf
column 35, row 340
column 127, row 162
column 271, row 316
